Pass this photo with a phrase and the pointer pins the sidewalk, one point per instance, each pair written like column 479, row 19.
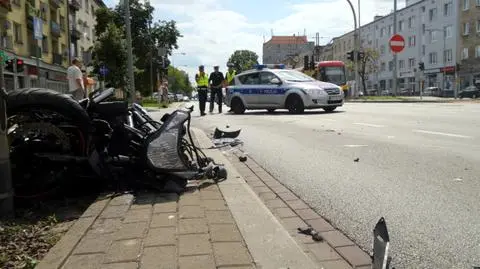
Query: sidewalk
column 210, row 226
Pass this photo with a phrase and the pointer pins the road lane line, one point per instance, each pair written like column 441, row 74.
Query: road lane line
column 440, row 133
column 369, row 124
column 355, row 146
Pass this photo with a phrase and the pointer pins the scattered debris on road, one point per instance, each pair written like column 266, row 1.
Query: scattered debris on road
column 356, row 160
column 242, row 159
column 312, row 232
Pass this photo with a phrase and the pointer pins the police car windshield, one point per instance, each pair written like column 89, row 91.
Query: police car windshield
column 294, row 76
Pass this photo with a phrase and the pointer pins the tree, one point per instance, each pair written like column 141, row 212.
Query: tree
column 147, row 37
column 243, row 60
column 178, row 81
column 366, row 65
column 110, row 51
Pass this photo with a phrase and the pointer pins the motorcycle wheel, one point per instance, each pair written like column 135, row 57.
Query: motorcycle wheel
column 43, row 122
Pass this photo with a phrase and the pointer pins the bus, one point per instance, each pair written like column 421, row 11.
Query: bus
column 333, row 72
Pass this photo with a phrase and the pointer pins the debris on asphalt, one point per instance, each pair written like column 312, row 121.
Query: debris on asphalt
column 226, row 132
column 242, row 159
column 458, row 179
column 356, row 160
column 312, row 232
column 330, row 130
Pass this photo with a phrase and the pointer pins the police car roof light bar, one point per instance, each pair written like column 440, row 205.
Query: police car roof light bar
column 273, row 66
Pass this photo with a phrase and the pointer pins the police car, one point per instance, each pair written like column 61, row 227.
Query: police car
column 273, row 87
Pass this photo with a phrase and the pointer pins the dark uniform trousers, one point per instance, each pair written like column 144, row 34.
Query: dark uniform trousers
column 216, row 92
column 202, row 98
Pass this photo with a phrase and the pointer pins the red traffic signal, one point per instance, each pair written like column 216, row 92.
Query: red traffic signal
column 9, row 66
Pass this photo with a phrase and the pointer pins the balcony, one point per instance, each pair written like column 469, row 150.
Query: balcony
column 57, row 59
column 55, row 29
column 74, row 4
column 75, row 33
column 56, row 3
column 34, row 50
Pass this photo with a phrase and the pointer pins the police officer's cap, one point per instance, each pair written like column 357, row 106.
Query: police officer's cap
column 201, row 67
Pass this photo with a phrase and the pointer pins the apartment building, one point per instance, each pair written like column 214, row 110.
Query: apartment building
column 429, row 29
column 469, row 42
column 17, row 40
column 82, row 26
column 281, row 49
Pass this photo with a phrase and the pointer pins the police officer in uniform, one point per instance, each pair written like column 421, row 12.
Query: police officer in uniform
column 229, row 76
column 202, row 86
column 216, row 80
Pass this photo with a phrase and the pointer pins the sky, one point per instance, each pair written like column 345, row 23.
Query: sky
column 213, row 29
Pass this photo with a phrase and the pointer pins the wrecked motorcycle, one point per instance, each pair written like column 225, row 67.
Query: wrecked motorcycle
column 54, row 138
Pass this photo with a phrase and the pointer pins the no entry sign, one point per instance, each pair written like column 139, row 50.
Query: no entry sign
column 397, row 43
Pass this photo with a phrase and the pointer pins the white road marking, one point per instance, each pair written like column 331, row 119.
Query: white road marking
column 457, row 179
column 390, row 137
column 440, row 133
column 355, row 146
column 329, row 119
column 369, row 124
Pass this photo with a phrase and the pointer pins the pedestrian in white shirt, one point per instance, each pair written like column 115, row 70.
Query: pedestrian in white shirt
column 75, row 80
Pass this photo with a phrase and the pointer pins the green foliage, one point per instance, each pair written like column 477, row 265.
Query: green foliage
column 110, row 50
column 178, row 81
column 366, row 66
column 147, row 37
column 243, row 60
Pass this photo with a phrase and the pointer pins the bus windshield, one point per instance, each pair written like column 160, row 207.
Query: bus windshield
column 335, row 75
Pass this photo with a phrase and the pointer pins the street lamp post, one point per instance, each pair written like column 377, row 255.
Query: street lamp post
column 129, row 51
column 395, row 75
column 357, row 45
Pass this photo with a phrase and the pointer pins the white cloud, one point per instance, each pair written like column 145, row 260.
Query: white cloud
column 212, row 33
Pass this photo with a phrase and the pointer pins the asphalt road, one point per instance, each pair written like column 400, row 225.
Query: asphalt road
column 417, row 168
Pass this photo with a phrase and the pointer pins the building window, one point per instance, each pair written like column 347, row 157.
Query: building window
column 401, row 64
column 477, row 51
column 86, row 7
column 466, row 4
column 390, row 66
column 411, row 63
column 45, row 44
column 478, row 3
column 382, row 32
column 424, row 29
column 447, row 9
column 62, row 23
column 433, row 36
column 93, row 10
column 466, row 28
column 411, row 41
column 382, row 67
column 465, row 53
column 17, row 31
column 382, row 49
column 411, row 22
column 390, row 29
column 400, row 25
column 423, row 50
column 478, row 25
column 432, row 14
column 447, row 56
column 432, row 58
column 448, row 31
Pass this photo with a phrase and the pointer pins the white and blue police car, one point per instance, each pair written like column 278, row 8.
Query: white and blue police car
column 273, row 87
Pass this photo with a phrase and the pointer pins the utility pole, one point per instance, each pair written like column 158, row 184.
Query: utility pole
column 395, row 75
column 151, row 56
column 6, row 190
column 129, row 52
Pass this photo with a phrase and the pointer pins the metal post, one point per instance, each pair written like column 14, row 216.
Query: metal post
column 395, row 75
column 444, row 58
column 129, row 52
column 39, row 54
column 15, row 76
column 356, row 41
column 6, row 191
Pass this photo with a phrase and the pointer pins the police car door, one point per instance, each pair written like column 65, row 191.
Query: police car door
column 272, row 94
column 250, row 89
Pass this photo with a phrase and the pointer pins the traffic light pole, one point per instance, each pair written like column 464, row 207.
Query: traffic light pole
column 395, row 75
column 15, row 76
column 6, row 191
column 357, row 46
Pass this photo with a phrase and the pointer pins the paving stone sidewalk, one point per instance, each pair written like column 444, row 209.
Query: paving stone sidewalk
column 147, row 230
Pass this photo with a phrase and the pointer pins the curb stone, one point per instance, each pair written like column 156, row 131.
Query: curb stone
column 294, row 213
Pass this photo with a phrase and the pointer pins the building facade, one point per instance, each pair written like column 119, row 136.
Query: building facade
column 469, row 42
column 430, row 32
column 17, row 40
column 281, row 49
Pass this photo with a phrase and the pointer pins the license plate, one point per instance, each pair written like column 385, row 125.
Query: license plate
column 335, row 98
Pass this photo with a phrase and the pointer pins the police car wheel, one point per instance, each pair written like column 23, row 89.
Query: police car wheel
column 294, row 104
column 237, row 106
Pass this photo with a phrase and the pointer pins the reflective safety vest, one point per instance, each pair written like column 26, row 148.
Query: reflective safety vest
column 230, row 76
column 202, row 80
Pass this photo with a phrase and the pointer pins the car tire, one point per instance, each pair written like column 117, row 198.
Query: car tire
column 294, row 104
column 237, row 106
column 330, row 108
column 271, row 110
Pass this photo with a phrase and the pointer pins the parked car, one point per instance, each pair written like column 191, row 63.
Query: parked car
column 469, row 92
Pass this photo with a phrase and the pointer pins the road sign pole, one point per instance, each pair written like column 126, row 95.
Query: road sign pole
column 395, row 75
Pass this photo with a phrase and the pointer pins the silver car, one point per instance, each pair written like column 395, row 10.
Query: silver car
column 271, row 89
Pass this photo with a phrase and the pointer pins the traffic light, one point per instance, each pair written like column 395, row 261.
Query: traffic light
column 350, row 56
column 421, row 66
column 312, row 63
column 166, row 62
column 305, row 62
column 361, row 55
column 457, row 67
column 9, row 65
